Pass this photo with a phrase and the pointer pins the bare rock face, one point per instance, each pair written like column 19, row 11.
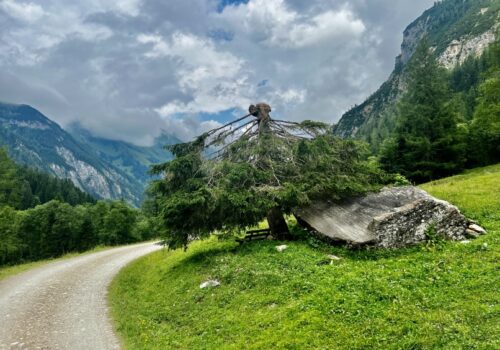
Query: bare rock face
column 392, row 218
column 459, row 50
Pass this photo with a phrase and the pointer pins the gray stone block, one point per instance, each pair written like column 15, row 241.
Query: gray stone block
column 392, row 218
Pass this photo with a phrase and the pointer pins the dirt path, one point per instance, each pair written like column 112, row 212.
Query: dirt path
column 62, row 305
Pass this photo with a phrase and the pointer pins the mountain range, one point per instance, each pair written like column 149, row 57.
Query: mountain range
column 107, row 169
column 110, row 169
column 456, row 30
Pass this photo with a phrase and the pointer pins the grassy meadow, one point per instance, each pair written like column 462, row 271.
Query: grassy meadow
column 440, row 295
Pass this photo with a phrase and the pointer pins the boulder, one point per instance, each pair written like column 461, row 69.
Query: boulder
column 392, row 218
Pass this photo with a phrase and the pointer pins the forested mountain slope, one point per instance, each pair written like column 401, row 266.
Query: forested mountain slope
column 131, row 159
column 107, row 169
column 23, row 188
column 458, row 31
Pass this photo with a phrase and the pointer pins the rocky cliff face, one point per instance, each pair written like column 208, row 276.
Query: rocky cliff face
column 130, row 159
column 456, row 29
column 460, row 49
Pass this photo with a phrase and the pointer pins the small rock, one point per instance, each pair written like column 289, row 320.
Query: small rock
column 210, row 283
column 333, row 257
column 471, row 233
column 281, row 248
column 485, row 246
column 477, row 229
column 465, row 242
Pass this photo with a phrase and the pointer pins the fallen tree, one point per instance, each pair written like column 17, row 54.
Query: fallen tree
column 254, row 168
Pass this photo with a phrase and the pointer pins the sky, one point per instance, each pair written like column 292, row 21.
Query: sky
column 128, row 69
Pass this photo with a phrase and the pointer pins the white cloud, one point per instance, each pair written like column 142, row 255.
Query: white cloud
column 323, row 27
column 275, row 24
column 188, row 126
column 24, row 11
column 42, row 29
column 128, row 7
column 290, row 96
column 214, row 80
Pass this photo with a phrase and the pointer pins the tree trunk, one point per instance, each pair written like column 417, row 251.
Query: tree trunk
column 277, row 223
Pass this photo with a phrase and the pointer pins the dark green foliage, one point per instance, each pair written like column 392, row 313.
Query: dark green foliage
column 263, row 170
column 466, row 121
column 427, row 143
column 10, row 244
column 44, row 188
column 118, row 224
column 464, row 82
column 87, row 230
column 55, row 228
column 484, row 140
column 10, row 181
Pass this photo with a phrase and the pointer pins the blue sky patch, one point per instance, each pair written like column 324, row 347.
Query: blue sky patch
column 220, row 34
column 224, row 3
column 262, row 83
column 222, row 117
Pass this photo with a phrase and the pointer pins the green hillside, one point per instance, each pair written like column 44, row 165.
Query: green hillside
column 442, row 295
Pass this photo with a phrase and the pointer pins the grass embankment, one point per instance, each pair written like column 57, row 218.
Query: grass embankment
column 442, row 295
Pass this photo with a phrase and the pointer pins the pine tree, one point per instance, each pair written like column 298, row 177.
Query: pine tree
column 262, row 168
column 427, row 144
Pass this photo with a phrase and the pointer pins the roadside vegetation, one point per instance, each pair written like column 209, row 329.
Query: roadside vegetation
column 42, row 217
column 438, row 295
column 10, row 270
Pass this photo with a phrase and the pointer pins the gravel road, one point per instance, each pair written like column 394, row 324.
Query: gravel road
column 62, row 305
